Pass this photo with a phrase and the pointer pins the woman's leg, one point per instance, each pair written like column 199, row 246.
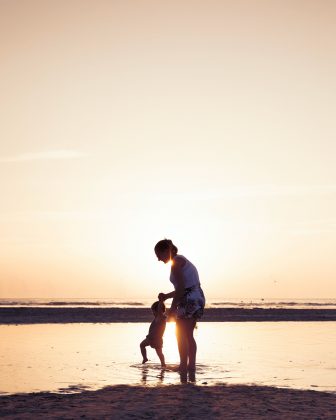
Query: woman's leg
column 182, row 343
column 192, row 346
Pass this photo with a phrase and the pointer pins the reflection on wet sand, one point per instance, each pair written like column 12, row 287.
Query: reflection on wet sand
column 145, row 369
column 148, row 372
column 144, row 375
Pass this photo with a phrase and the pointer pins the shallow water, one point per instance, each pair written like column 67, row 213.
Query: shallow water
column 72, row 357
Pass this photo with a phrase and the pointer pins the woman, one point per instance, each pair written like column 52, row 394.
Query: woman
column 188, row 301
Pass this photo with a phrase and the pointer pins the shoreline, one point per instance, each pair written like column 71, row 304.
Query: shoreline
column 35, row 315
column 173, row 401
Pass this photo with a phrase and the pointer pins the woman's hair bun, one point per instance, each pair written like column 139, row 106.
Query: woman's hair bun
column 166, row 244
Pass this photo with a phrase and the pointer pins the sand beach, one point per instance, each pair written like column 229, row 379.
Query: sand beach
column 176, row 401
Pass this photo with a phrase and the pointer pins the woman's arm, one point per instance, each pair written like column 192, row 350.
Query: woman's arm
column 179, row 280
column 165, row 296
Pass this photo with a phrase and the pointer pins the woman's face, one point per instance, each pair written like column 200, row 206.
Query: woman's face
column 164, row 255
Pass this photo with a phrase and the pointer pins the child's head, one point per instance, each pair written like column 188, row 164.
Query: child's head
column 158, row 308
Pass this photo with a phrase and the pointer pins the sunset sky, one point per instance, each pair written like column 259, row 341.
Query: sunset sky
column 211, row 123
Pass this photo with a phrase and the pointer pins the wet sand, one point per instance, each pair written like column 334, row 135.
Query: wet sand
column 175, row 401
column 35, row 315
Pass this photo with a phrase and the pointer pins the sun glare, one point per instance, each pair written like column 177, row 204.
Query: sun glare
column 169, row 343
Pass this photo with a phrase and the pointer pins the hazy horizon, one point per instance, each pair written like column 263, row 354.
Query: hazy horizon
column 211, row 124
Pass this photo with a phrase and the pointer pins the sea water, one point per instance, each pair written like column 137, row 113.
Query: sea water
column 73, row 357
column 210, row 303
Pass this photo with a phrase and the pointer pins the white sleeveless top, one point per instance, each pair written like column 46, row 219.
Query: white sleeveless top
column 190, row 274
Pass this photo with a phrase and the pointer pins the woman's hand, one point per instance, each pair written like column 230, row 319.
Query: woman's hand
column 164, row 296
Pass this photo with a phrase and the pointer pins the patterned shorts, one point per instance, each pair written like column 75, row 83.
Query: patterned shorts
column 191, row 305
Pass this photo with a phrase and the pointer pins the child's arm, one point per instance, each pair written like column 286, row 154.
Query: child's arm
column 161, row 311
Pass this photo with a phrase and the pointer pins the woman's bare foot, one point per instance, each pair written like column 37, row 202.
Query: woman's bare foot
column 144, row 360
column 182, row 368
column 192, row 375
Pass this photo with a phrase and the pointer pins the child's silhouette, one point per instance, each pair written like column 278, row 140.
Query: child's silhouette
column 155, row 333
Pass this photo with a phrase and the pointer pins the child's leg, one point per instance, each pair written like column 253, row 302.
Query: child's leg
column 143, row 345
column 161, row 356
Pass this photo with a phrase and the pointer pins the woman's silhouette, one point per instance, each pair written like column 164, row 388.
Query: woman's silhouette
column 188, row 301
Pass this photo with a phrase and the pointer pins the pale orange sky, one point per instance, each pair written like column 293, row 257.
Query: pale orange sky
column 210, row 123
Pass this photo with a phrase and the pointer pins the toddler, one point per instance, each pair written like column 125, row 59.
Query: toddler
column 155, row 333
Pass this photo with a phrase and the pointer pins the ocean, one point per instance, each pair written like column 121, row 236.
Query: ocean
column 146, row 303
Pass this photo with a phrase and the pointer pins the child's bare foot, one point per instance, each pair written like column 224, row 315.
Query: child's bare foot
column 144, row 360
column 179, row 369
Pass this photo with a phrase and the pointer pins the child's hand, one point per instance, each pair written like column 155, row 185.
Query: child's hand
column 161, row 297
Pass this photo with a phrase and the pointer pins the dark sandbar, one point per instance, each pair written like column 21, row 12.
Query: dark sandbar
column 28, row 315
